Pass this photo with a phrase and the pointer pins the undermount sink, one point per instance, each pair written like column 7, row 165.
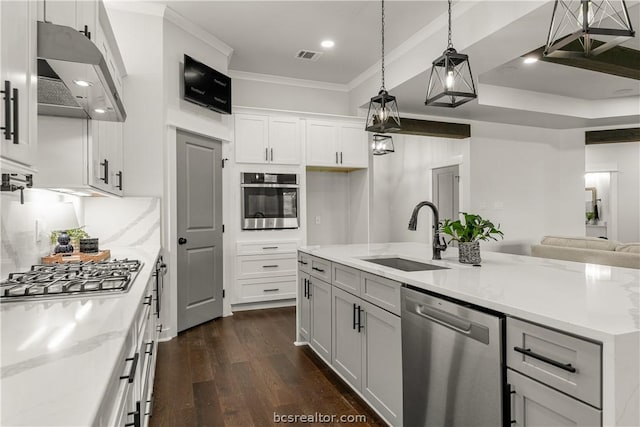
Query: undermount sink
column 404, row 264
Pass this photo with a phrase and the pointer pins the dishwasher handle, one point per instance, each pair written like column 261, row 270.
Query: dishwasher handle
column 471, row 329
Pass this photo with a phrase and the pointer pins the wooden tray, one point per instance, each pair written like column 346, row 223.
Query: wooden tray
column 76, row 257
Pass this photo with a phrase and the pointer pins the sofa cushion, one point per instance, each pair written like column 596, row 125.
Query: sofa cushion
column 581, row 242
column 633, row 248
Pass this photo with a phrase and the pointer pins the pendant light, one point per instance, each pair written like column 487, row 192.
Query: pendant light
column 382, row 144
column 598, row 25
column 383, row 113
column 451, row 82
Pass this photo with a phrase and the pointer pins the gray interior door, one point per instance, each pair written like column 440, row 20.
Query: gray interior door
column 199, row 229
column 446, row 181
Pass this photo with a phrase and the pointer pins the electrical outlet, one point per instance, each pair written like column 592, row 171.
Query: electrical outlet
column 317, row 220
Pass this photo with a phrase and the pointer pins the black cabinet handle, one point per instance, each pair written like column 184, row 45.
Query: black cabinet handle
column 105, row 165
column 16, row 120
column 309, row 289
column 305, row 288
column 317, row 269
column 354, row 317
column 271, row 290
column 136, row 416
column 119, row 175
column 527, row 352
column 134, row 366
column 147, row 300
column 149, row 349
column 302, row 262
column 182, row 241
column 341, row 157
column 266, row 154
column 269, row 247
column 272, row 154
column 336, row 157
column 360, row 327
column 86, row 32
column 7, row 109
column 270, row 266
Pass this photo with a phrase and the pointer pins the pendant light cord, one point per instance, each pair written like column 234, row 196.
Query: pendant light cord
column 382, row 88
column 450, row 45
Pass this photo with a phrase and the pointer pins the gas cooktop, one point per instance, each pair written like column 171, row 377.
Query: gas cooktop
column 72, row 279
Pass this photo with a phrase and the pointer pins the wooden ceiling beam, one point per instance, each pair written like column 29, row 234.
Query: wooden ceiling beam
column 610, row 136
column 433, row 128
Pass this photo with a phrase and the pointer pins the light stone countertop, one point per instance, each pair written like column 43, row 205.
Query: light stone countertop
column 59, row 355
column 593, row 301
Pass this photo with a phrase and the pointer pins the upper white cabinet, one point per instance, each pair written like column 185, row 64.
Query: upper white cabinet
column 79, row 14
column 18, row 82
column 336, row 144
column 265, row 139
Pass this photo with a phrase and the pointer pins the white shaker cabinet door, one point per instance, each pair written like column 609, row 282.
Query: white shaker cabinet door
column 251, row 138
column 18, row 79
column 346, row 350
column 320, row 329
column 354, row 150
column 284, row 140
column 322, row 144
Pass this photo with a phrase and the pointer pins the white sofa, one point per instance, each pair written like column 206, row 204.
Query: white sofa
column 589, row 249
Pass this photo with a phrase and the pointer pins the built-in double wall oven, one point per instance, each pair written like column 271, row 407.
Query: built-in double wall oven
column 270, row 201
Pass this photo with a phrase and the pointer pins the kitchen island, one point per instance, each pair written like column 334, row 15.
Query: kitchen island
column 62, row 357
column 597, row 304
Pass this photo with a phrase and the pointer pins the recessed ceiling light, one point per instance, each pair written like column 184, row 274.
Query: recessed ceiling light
column 82, row 83
column 100, row 110
column 530, row 60
column 327, row 43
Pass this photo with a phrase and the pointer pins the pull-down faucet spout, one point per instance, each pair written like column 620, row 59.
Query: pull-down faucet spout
column 438, row 247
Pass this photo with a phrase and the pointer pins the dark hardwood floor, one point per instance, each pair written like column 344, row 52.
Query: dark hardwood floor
column 240, row 370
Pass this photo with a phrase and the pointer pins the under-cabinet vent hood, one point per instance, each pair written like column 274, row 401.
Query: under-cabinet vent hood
column 73, row 77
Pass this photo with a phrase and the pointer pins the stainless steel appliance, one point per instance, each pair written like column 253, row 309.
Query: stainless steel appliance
column 72, row 279
column 452, row 362
column 269, row 201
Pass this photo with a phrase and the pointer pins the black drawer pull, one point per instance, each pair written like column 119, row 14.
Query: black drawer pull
column 16, row 120
column 119, row 175
column 147, row 300
column 270, row 266
column 132, row 372
column 149, row 350
column 159, row 328
column 303, row 262
column 271, row 290
column 527, row 352
column 317, row 269
column 269, row 247
column 105, row 165
column 7, row 110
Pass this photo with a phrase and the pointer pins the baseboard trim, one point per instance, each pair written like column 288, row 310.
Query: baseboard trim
column 263, row 305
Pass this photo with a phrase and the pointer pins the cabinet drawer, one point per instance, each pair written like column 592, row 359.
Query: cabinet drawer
column 566, row 363
column 384, row 293
column 267, row 290
column 257, row 266
column 321, row 268
column 267, row 247
column 346, row 278
column 534, row 404
column 304, row 262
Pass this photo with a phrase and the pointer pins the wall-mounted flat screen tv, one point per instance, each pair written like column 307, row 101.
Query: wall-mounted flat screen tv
column 206, row 87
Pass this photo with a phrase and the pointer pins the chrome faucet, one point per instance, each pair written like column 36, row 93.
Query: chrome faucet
column 438, row 247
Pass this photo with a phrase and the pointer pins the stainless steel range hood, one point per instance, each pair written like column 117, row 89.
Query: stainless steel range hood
column 73, row 77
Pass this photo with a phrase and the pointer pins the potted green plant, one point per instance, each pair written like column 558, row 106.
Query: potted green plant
column 468, row 235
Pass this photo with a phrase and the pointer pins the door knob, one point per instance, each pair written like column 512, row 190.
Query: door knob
column 182, row 241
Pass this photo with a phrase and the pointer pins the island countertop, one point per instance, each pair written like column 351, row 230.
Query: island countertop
column 58, row 355
column 594, row 301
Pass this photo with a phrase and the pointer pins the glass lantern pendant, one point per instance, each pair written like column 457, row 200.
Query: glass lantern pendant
column 451, row 82
column 583, row 28
column 382, row 144
column 383, row 115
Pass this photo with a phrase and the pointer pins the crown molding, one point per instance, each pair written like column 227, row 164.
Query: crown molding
column 412, row 42
column 197, row 31
column 141, row 7
column 287, row 81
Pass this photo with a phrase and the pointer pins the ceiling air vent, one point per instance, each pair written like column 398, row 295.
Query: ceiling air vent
column 308, row 55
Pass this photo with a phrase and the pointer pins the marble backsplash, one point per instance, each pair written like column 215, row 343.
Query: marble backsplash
column 123, row 222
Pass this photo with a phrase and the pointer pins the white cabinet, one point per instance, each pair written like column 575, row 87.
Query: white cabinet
column 79, row 14
column 336, row 144
column 266, row 271
column 18, row 81
column 72, row 154
column 346, row 356
column 265, row 139
column 320, row 324
column 304, row 307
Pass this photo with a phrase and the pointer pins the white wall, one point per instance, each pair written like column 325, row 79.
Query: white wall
column 139, row 38
column 623, row 159
column 253, row 93
column 328, row 204
column 529, row 180
column 402, row 179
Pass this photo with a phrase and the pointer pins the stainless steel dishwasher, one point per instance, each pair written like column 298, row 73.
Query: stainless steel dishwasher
column 452, row 363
